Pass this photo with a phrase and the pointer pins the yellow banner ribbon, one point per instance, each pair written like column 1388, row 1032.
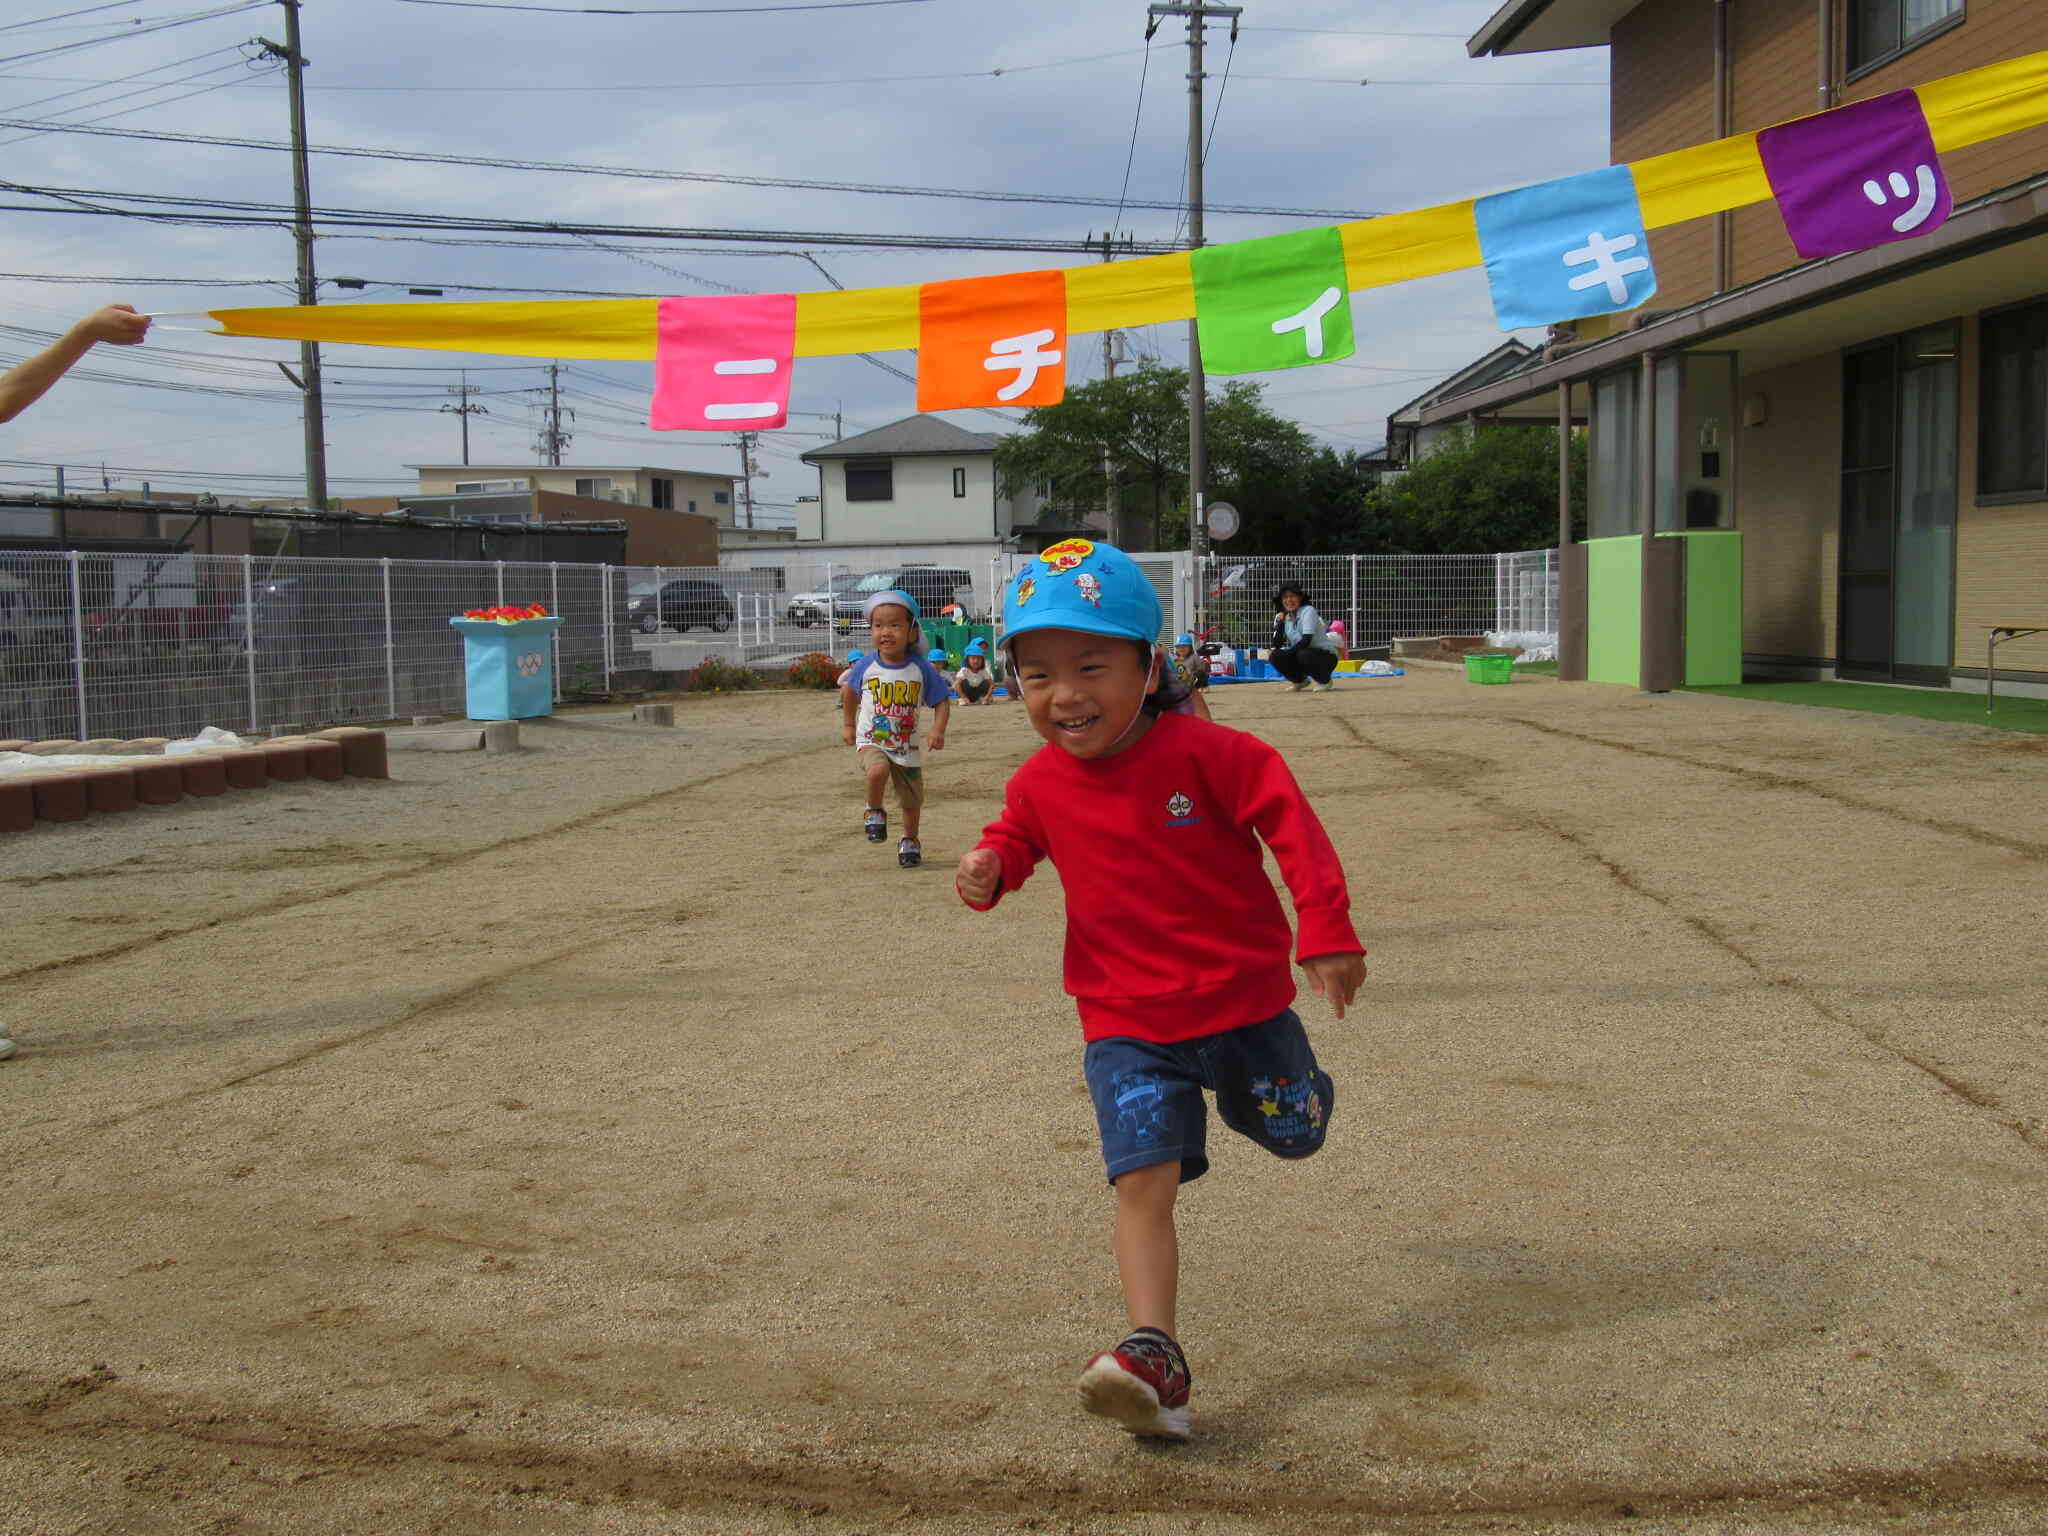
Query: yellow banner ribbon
column 1686, row 184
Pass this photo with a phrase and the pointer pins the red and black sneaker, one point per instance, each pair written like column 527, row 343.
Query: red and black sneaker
column 874, row 824
column 1142, row 1384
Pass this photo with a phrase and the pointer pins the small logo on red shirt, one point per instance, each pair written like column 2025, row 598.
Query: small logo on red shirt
column 1180, row 811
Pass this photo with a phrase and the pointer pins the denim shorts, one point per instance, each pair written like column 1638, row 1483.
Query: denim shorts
column 1148, row 1095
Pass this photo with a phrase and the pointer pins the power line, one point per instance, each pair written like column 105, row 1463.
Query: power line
column 251, row 214
column 163, row 26
column 80, row 90
column 716, row 10
column 47, row 125
column 720, row 178
column 1216, row 115
column 1131, row 154
column 1491, row 85
column 16, row 26
column 670, row 87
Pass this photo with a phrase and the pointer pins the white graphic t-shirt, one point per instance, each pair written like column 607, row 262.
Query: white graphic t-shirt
column 890, row 699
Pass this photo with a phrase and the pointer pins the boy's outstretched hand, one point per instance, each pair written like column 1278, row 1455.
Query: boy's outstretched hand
column 980, row 872
column 118, row 323
column 1337, row 977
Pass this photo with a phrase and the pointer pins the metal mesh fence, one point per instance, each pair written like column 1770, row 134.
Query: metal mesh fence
column 1380, row 597
column 118, row 645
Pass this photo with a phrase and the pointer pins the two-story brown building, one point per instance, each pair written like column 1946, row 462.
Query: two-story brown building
column 1875, row 425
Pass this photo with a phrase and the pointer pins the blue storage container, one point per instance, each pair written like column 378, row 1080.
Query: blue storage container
column 509, row 668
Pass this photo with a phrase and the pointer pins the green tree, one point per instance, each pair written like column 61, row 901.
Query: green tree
column 1476, row 493
column 1293, row 496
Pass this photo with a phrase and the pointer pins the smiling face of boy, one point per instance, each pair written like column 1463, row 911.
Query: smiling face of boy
column 890, row 626
column 1085, row 693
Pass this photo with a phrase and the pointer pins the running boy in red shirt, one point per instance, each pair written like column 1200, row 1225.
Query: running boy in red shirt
column 1132, row 796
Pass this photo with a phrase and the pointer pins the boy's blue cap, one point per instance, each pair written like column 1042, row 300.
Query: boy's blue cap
column 1187, row 640
column 855, row 658
column 976, row 647
column 1081, row 585
column 900, row 599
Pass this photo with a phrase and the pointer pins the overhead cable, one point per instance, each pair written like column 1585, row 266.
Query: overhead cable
column 252, row 214
column 162, row 26
column 721, row 178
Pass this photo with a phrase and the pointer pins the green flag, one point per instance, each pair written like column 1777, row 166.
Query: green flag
column 1280, row 302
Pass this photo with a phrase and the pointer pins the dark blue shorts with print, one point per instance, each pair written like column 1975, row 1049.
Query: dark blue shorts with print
column 1148, row 1095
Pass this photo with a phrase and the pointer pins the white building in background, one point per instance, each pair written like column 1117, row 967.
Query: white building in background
column 920, row 480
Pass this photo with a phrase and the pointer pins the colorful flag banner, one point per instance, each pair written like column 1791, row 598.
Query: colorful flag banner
column 1861, row 175
column 1675, row 188
column 992, row 341
column 723, row 365
column 1563, row 250
column 1279, row 302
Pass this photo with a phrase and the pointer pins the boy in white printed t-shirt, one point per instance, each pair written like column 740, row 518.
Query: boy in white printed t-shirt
column 880, row 701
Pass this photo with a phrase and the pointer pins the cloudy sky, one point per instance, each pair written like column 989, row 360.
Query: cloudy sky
column 1061, row 99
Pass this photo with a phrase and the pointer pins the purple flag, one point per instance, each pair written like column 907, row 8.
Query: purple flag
column 1858, row 176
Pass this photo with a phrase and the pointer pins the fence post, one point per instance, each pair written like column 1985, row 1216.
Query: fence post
column 249, row 630
column 555, row 608
column 1354, row 631
column 78, row 641
column 1550, row 616
column 605, row 608
column 501, row 583
column 390, row 649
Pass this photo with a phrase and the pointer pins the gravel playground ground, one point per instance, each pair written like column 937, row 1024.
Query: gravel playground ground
column 606, row 1139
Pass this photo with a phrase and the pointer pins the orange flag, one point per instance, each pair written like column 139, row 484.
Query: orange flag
column 992, row 341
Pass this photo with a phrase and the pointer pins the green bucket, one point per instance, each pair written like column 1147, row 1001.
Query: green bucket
column 1489, row 667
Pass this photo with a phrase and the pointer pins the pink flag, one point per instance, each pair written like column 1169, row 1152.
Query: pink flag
column 723, row 365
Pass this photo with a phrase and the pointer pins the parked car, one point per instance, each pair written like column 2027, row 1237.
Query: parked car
column 934, row 587
column 32, row 624
column 680, row 604
column 807, row 608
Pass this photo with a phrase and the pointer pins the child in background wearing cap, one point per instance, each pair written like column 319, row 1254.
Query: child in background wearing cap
column 1130, row 797
column 1193, row 668
column 880, row 701
column 976, row 684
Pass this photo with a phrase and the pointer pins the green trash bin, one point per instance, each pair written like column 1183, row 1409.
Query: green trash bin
column 1489, row 667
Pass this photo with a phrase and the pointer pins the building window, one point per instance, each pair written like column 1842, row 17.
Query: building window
column 2012, row 403
column 663, row 491
column 959, row 482
column 693, row 503
column 870, row 479
column 721, row 498
column 1612, row 506
column 1881, row 29
column 599, row 486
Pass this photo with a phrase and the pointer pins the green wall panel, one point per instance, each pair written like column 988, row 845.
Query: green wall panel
column 1614, row 610
column 1713, row 607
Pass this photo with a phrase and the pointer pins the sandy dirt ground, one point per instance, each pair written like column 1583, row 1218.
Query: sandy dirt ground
column 607, row 1139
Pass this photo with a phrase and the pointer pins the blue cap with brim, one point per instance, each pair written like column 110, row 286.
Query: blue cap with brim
column 1080, row 585
column 1187, row 640
column 976, row 647
column 902, row 600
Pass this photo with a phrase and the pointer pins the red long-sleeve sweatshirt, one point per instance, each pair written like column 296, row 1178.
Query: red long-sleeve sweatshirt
column 1173, row 927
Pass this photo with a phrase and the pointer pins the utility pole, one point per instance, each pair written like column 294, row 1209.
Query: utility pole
column 302, row 233
column 552, row 438
column 1195, row 12
column 464, row 409
column 746, row 447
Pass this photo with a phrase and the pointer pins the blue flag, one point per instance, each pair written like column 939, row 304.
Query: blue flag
column 1563, row 250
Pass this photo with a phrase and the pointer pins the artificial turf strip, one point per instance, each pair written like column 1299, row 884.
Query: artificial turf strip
column 2011, row 714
